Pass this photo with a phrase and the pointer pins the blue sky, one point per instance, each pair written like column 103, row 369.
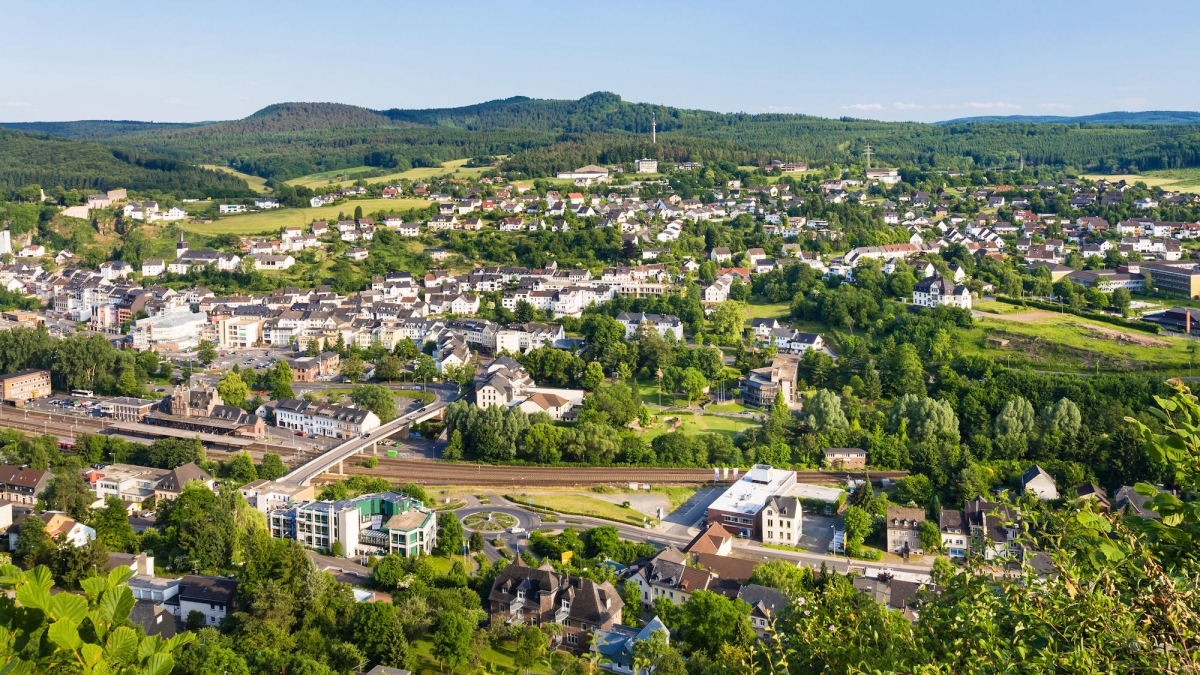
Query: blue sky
column 171, row 61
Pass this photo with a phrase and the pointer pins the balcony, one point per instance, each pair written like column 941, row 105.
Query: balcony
column 561, row 615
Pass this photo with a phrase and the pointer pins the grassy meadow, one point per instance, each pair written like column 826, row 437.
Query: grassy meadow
column 1047, row 341
column 270, row 222
column 345, row 177
column 257, row 183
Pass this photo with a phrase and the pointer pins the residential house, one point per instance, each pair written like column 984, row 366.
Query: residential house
column 845, row 458
column 540, row 596
column 903, row 530
column 1035, row 480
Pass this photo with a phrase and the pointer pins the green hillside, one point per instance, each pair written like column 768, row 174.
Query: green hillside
column 49, row 161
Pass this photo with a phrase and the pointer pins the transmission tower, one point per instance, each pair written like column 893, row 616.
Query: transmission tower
column 867, row 152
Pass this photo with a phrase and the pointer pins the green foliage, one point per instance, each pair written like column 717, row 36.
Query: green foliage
column 379, row 400
column 450, row 534
column 232, row 389
column 86, row 634
column 271, row 467
column 113, row 530
column 825, row 412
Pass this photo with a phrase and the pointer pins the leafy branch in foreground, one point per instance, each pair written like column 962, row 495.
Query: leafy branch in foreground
column 68, row 633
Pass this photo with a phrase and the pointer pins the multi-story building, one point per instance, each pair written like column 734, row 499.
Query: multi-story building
column 127, row 408
column 540, row 596
column 663, row 323
column 26, row 384
column 1181, row 279
column 22, row 485
column 324, row 419
column 935, row 291
column 127, row 482
column 240, row 332
column 762, row 384
column 212, row 597
column 268, row 495
column 667, row 575
column 374, row 524
column 903, row 530
column 845, row 458
column 175, row 330
column 740, row 508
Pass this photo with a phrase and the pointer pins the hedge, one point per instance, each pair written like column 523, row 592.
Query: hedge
column 1144, row 326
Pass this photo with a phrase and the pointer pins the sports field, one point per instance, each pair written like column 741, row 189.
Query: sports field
column 272, row 221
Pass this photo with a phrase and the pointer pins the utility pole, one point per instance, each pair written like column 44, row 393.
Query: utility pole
column 867, row 152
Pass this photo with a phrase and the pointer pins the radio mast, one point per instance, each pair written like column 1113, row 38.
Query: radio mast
column 653, row 129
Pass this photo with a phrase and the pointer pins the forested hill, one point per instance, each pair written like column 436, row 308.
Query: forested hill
column 541, row 136
column 95, row 129
column 49, row 161
column 1146, row 117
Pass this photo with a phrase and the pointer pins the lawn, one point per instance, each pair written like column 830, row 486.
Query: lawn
column 256, row 183
column 696, row 424
column 1054, row 342
column 729, row 408
column 270, row 222
column 998, row 308
column 478, row 522
column 498, row 659
column 320, row 180
column 768, row 310
column 581, row 505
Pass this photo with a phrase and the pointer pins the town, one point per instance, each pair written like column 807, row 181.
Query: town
column 873, row 373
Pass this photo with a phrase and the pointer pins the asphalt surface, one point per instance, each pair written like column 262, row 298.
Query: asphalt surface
column 744, row 548
column 305, row 473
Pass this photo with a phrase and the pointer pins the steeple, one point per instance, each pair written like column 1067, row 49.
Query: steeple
column 181, row 247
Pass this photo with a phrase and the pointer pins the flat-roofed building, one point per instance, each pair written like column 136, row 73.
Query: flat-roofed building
column 266, row 495
column 25, row 384
column 739, row 509
column 374, row 524
column 1175, row 278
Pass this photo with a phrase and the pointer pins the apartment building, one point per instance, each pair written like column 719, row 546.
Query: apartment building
column 26, row 384
column 22, row 485
column 374, row 524
column 324, row 419
column 240, row 332
column 762, row 384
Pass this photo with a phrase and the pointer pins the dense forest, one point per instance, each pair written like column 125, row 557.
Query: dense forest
column 27, row 158
column 540, row 137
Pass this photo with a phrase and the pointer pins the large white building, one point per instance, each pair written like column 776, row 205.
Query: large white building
column 374, row 524
column 663, row 323
column 323, row 419
column 937, row 290
column 175, row 330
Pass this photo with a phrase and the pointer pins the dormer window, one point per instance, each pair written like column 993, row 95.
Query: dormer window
column 520, row 594
column 566, row 604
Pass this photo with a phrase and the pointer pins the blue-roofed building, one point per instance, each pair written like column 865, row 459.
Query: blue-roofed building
column 616, row 645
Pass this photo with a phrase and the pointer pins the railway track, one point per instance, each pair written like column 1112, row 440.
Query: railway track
column 432, row 472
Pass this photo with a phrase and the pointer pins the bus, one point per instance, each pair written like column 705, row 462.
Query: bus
column 82, row 392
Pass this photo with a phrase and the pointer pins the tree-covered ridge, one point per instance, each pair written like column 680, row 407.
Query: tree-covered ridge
column 542, row 136
column 27, row 158
column 94, row 129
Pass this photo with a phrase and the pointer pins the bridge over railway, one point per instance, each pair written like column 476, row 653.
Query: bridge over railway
column 335, row 456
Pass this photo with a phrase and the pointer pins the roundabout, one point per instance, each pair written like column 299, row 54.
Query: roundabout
column 489, row 521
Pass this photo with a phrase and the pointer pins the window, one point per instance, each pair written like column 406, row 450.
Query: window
column 572, row 638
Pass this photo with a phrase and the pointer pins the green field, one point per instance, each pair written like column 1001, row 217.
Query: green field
column 1177, row 180
column 581, row 505
column 321, row 180
column 257, row 183
column 498, row 659
column 998, row 308
column 768, row 310
column 1047, row 341
column 696, row 424
column 270, row 222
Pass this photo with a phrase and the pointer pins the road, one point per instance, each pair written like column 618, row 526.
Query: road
column 306, row 472
column 660, row 537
